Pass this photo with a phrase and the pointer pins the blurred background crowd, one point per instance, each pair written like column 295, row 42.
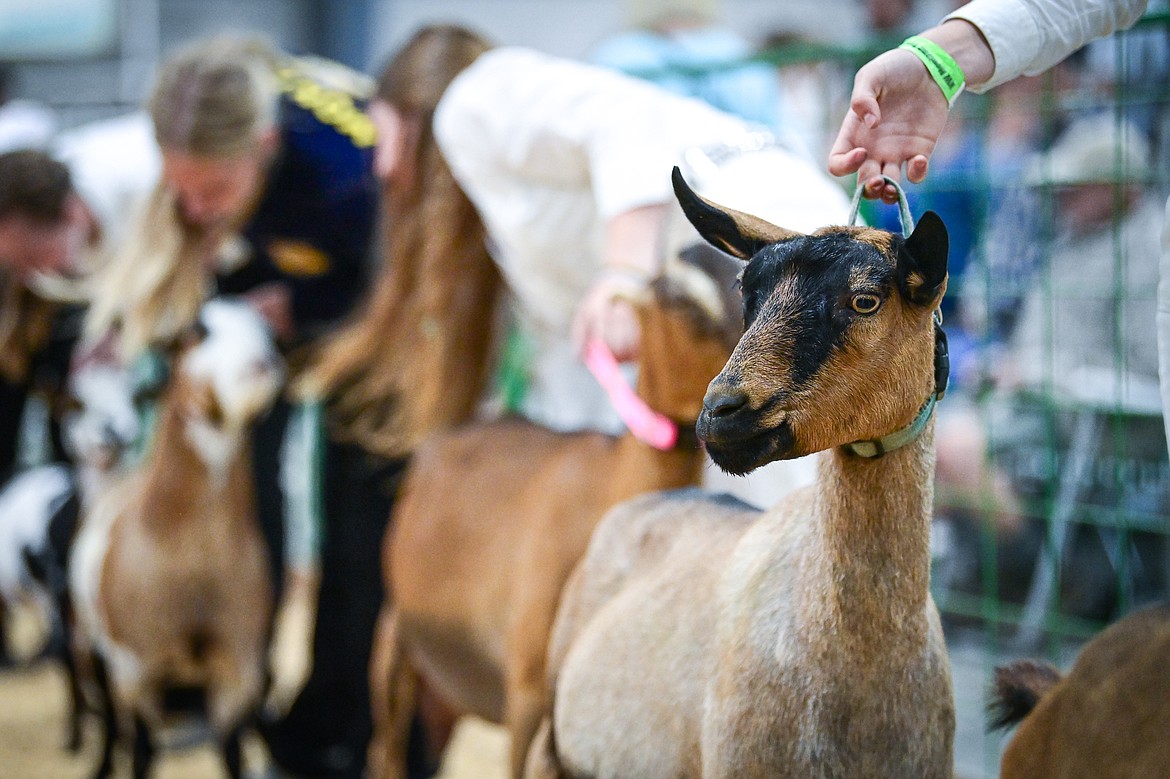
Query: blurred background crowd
column 1053, row 478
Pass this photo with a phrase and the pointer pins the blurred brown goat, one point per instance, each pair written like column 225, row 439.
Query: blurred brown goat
column 169, row 572
column 492, row 518
column 702, row 638
column 1109, row 717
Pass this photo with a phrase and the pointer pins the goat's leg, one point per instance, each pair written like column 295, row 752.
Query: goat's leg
column 143, row 749
column 233, row 700
column 106, row 715
column 382, row 654
column 5, row 656
column 236, row 673
column 76, row 714
column 542, row 762
column 394, row 696
column 526, row 673
column 526, row 705
column 76, row 700
column 233, row 754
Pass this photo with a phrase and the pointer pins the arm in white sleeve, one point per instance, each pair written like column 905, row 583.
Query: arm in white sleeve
column 527, row 116
column 1029, row 36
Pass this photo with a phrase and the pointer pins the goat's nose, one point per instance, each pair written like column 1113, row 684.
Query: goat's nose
column 721, row 404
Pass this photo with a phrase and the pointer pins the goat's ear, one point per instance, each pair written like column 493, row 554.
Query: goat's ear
column 189, row 336
column 740, row 235
column 922, row 261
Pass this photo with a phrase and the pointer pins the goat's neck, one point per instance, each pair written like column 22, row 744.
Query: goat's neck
column 872, row 534
column 190, row 454
column 639, row 468
column 92, row 481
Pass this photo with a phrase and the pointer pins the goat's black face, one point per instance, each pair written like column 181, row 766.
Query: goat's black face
column 801, row 299
column 838, row 343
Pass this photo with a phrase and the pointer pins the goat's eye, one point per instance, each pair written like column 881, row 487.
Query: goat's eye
column 865, row 303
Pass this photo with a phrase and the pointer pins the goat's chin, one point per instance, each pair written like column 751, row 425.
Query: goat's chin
column 741, row 456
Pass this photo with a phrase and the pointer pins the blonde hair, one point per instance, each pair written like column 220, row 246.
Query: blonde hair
column 153, row 286
column 415, row 359
column 213, row 98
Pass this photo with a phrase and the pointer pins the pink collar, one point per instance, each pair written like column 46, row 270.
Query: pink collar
column 647, row 425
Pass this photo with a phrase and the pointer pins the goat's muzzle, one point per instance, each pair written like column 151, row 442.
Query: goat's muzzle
column 734, row 432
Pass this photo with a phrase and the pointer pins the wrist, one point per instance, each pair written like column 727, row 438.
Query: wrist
column 966, row 45
column 942, row 68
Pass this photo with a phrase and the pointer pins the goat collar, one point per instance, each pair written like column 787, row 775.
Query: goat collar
column 646, row 424
column 899, row 438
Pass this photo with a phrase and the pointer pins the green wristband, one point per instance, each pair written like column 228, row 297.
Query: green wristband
column 940, row 65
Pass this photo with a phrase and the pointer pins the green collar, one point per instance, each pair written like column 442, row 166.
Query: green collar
column 897, row 439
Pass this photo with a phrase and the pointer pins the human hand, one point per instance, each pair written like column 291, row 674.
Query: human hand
column 895, row 118
column 607, row 312
column 273, row 301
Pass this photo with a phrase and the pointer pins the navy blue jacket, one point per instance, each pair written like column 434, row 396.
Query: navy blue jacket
column 313, row 225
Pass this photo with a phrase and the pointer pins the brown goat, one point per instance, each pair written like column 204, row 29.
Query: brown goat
column 170, row 573
column 492, row 518
column 702, row 638
column 1109, row 717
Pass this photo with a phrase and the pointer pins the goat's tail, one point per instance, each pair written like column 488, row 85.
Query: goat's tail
column 1015, row 691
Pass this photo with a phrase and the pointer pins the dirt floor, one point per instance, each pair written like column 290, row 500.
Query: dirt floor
column 32, row 730
column 32, row 735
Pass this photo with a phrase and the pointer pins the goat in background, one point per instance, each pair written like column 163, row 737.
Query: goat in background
column 29, row 501
column 702, row 638
column 170, row 574
column 1109, row 717
column 40, row 510
column 493, row 517
column 99, row 424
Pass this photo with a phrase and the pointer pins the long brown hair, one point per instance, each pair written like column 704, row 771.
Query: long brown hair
column 415, row 360
column 33, row 187
column 26, row 321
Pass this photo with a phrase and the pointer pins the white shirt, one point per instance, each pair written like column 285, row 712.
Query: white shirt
column 25, row 124
column 549, row 149
column 1029, row 36
column 114, row 165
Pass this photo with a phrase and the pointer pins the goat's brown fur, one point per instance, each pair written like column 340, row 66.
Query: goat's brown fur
column 490, row 522
column 26, row 320
column 185, row 582
column 1108, row 717
column 171, row 573
column 700, row 638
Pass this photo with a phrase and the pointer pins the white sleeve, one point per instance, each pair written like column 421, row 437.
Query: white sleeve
column 521, row 115
column 115, row 164
column 1029, row 36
